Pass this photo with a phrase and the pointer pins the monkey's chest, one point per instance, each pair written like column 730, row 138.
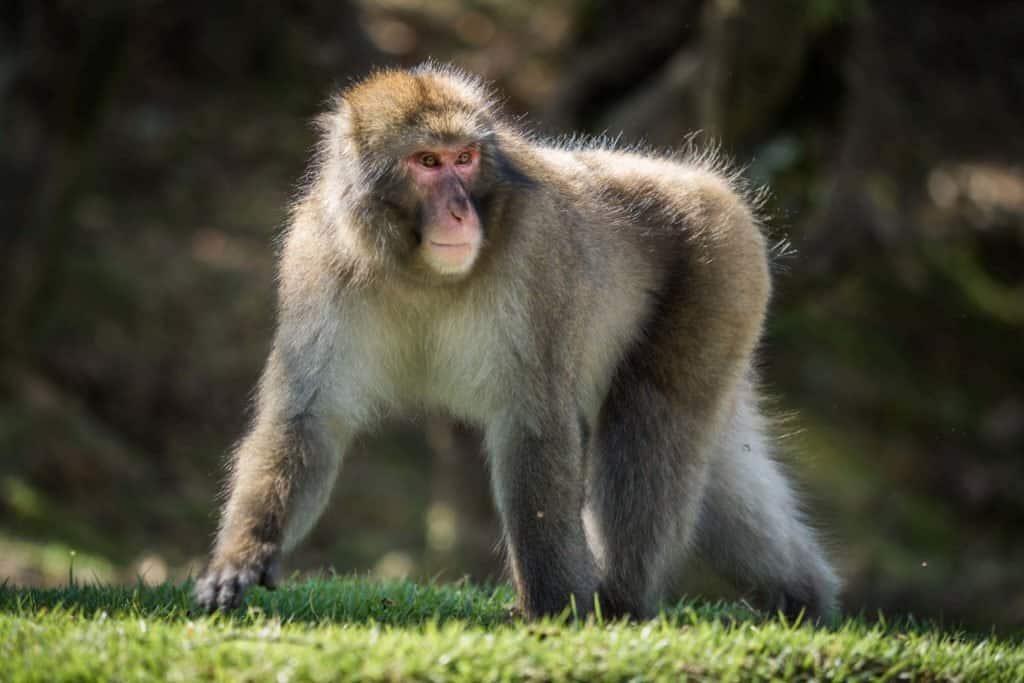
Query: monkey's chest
column 466, row 384
column 455, row 364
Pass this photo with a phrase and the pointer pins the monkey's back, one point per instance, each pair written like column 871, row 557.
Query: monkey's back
column 641, row 236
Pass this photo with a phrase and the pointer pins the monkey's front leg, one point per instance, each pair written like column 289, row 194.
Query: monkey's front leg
column 538, row 483
column 281, row 478
column 283, row 473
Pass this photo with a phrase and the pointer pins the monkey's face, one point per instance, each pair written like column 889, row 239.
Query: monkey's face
column 450, row 232
column 428, row 171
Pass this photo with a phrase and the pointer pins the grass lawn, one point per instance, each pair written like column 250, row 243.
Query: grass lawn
column 358, row 629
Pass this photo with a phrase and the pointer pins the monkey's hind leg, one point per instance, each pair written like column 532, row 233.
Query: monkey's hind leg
column 751, row 529
column 647, row 488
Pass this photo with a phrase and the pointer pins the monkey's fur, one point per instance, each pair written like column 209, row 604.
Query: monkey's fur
column 603, row 338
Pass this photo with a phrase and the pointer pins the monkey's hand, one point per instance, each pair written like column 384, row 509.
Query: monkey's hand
column 222, row 586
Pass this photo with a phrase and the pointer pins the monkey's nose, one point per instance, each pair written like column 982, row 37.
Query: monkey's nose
column 458, row 208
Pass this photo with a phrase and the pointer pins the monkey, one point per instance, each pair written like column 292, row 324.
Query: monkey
column 594, row 308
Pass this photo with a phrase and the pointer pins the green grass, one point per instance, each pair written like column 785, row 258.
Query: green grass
column 346, row 628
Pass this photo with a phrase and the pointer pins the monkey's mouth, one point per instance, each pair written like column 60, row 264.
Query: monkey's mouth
column 450, row 258
column 443, row 245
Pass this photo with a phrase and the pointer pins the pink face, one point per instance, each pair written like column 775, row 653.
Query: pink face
column 451, row 227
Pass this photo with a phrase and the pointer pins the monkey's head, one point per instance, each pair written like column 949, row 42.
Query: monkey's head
column 419, row 156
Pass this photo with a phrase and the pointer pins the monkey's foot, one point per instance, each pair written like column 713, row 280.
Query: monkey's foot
column 618, row 604
column 223, row 585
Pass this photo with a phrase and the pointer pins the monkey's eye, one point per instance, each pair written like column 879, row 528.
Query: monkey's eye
column 463, row 158
column 429, row 160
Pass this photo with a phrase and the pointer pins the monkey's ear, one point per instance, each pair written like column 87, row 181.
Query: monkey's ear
column 336, row 127
column 337, row 119
column 324, row 123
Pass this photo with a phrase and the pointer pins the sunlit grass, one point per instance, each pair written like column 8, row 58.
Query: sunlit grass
column 347, row 628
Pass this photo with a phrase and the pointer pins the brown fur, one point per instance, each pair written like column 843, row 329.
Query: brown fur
column 603, row 338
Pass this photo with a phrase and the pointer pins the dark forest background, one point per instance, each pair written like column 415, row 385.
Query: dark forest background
column 148, row 151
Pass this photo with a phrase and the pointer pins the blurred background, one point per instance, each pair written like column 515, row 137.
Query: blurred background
column 148, row 152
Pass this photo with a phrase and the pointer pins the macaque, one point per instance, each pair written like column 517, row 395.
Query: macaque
column 595, row 310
